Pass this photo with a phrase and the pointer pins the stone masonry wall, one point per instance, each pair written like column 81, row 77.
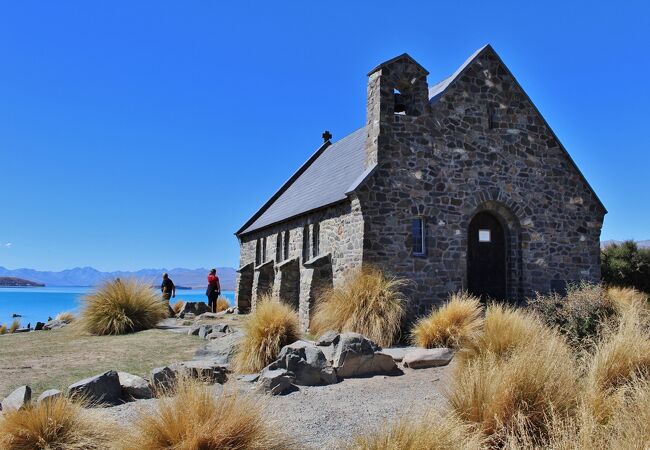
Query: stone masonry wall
column 341, row 237
column 481, row 147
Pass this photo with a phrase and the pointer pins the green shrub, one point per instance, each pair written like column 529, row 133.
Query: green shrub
column 626, row 265
column 579, row 314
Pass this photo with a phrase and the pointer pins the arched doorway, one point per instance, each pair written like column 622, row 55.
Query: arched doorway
column 486, row 257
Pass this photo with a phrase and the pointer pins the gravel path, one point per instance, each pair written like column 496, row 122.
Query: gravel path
column 322, row 417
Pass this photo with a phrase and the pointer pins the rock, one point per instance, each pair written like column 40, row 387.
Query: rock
column 196, row 308
column 357, row 356
column 48, row 395
column 18, row 399
column 54, row 324
column 163, row 377
column 230, row 311
column 22, row 330
column 100, row 389
column 39, row 326
column 204, row 330
column 422, row 358
column 250, row 378
column 194, row 330
column 329, row 338
column 275, row 382
column 208, row 316
column 189, row 316
column 134, row 386
column 307, row 363
column 216, row 335
column 397, row 352
column 221, row 350
column 204, row 370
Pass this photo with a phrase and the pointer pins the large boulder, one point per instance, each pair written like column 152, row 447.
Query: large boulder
column 134, row 386
column 221, row 350
column 357, row 356
column 307, row 362
column 48, row 395
column 18, row 399
column 423, row 358
column 275, row 381
column 100, row 389
column 195, row 308
column 328, row 338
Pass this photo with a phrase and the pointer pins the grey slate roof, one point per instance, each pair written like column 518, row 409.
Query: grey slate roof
column 329, row 174
column 323, row 182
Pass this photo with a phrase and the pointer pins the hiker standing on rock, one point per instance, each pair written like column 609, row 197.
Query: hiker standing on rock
column 213, row 291
column 167, row 287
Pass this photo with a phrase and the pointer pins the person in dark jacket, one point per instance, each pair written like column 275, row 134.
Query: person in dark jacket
column 167, row 287
column 214, row 290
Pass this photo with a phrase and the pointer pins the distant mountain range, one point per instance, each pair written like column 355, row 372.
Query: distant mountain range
column 88, row 276
column 640, row 244
column 13, row 282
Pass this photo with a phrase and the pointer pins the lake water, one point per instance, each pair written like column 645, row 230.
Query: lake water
column 36, row 304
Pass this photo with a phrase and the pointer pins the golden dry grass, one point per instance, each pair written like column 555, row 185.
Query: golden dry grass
column 368, row 302
column 119, row 307
column 177, row 306
column 271, row 326
column 66, row 317
column 430, row 432
column 622, row 356
column 454, row 324
column 505, row 329
column 195, row 419
column 14, row 326
column 518, row 371
column 3, row 329
column 625, row 298
column 222, row 304
column 57, row 424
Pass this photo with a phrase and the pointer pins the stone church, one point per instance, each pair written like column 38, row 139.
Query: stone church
column 459, row 185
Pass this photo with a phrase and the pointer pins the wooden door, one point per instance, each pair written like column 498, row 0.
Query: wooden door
column 486, row 257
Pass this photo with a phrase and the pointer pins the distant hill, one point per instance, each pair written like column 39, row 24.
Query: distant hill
column 88, row 276
column 17, row 282
column 640, row 244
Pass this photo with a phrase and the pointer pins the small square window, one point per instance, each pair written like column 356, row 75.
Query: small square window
column 484, row 236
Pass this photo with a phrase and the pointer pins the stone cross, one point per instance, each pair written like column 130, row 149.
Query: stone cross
column 327, row 136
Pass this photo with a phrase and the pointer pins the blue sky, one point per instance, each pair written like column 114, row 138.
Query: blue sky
column 143, row 134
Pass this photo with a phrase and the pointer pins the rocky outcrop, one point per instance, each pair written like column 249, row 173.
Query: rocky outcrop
column 134, row 387
column 355, row 355
column 307, row 363
column 397, row 353
column 205, row 370
column 54, row 324
column 18, row 399
column 221, row 350
column 210, row 331
column 100, row 389
column 422, row 358
column 162, row 378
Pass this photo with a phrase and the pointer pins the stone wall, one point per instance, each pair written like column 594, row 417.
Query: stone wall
column 340, row 247
column 481, row 147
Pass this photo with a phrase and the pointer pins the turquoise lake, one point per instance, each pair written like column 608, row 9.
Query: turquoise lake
column 37, row 304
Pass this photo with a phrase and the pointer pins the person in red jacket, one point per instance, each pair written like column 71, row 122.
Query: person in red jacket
column 213, row 291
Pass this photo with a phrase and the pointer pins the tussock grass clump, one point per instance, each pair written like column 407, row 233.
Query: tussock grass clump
column 430, row 432
column 222, row 304
column 120, row 307
column 506, row 329
column 271, row 326
column 625, row 298
column 622, row 356
column 369, row 303
column 66, row 317
column 57, row 424
column 196, row 419
column 454, row 324
column 3, row 329
column 14, row 326
column 177, row 306
column 499, row 391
